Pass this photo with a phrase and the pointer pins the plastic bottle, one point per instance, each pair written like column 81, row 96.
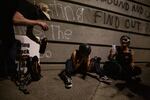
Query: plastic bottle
column 113, row 49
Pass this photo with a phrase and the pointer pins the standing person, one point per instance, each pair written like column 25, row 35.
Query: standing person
column 80, row 62
column 45, row 11
column 8, row 18
column 123, row 56
column 35, row 12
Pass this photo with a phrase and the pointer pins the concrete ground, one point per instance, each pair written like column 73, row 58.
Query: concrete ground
column 51, row 87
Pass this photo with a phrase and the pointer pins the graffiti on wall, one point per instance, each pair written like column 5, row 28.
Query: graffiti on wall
column 116, row 21
column 59, row 34
column 121, row 6
column 76, row 13
column 66, row 12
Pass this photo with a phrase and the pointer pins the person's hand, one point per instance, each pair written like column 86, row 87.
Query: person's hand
column 38, row 41
column 43, row 25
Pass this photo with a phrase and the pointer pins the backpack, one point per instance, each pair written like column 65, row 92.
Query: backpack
column 35, row 69
column 95, row 65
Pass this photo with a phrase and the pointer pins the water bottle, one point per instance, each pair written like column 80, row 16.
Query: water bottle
column 113, row 49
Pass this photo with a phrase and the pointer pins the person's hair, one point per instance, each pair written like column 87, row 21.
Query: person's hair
column 85, row 49
column 42, row 6
column 125, row 39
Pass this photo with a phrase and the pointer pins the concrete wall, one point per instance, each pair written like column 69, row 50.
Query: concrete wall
column 99, row 23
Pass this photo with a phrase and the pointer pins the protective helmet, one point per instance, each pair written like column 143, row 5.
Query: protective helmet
column 85, row 49
column 125, row 39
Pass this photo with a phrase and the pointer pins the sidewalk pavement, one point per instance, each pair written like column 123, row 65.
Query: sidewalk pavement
column 51, row 87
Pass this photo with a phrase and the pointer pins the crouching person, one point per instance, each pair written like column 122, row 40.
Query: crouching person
column 80, row 62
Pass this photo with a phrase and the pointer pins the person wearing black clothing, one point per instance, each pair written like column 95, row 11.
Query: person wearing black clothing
column 8, row 17
column 123, row 58
column 34, row 12
column 80, row 62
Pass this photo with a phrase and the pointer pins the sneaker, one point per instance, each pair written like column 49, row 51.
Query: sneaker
column 68, row 82
column 105, row 79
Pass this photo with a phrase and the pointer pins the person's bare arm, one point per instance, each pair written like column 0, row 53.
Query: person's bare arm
column 19, row 19
column 111, row 55
column 88, row 63
column 74, row 60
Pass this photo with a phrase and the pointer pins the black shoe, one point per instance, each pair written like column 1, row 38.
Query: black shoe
column 68, row 82
column 105, row 79
column 25, row 91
